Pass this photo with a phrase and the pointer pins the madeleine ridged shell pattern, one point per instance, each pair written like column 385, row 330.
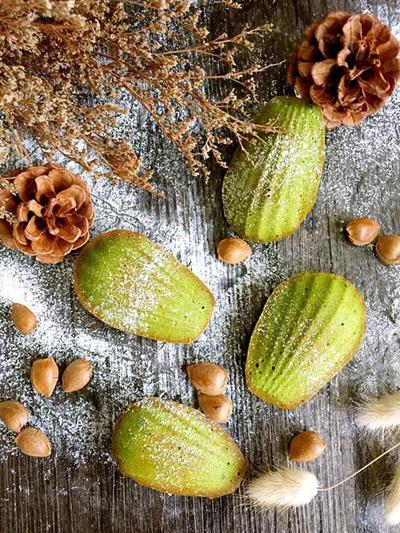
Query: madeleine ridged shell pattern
column 135, row 285
column 173, row 448
column 310, row 327
column 268, row 194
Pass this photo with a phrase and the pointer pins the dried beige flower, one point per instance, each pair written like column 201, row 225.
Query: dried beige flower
column 282, row 489
column 64, row 67
column 381, row 413
column 391, row 510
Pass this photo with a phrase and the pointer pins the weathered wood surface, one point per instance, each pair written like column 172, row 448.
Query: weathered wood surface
column 52, row 496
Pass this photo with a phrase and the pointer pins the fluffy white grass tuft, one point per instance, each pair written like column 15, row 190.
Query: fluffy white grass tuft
column 391, row 510
column 381, row 413
column 282, row 489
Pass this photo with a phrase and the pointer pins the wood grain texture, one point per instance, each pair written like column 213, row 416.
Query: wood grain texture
column 51, row 496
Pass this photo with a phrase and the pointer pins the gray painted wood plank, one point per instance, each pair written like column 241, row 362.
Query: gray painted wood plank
column 53, row 496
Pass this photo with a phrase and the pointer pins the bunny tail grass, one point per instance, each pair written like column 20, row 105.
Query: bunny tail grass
column 391, row 510
column 381, row 413
column 282, row 489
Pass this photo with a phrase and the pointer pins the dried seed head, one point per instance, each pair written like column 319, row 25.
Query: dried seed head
column 33, row 442
column 23, row 318
column 306, row 446
column 381, row 413
column 391, row 510
column 208, row 378
column 233, row 250
column 282, row 489
column 44, row 376
column 388, row 249
column 217, row 408
column 77, row 375
column 14, row 415
column 361, row 231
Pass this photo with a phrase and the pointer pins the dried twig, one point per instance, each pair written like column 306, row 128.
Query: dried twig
column 65, row 64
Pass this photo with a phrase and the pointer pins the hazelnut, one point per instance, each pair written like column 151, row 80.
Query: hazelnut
column 361, row 231
column 233, row 250
column 208, row 378
column 217, row 408
column 388, row 249
column 14, row 415
column 33, row 442
column 306, row 446
column 77, row 375
column 44, row 376
column 23, row 318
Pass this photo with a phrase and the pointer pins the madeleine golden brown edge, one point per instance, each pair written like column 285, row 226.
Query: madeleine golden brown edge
column 174, row 448
column 135, row 285
column 311, row 326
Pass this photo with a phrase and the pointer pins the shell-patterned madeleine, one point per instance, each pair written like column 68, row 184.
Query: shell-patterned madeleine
column 311, row 326
column 135, row 285
column 174, row 448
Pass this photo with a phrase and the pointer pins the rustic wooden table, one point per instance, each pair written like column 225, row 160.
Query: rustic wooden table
column 79, row 489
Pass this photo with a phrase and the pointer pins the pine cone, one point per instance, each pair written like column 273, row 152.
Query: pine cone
column 348, row 64
column 52, row 213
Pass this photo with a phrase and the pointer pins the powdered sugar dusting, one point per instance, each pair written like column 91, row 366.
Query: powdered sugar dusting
column 360, row 178
column 155, row 445
column 80, row 424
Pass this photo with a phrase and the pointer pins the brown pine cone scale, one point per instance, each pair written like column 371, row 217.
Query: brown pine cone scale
column 53, row 213
column 348, row 64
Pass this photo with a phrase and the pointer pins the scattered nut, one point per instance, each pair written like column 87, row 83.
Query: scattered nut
column 217, row 408
column 233, row 250
column 77, row 375
column 14, row 415
column 23, row 318
column 306, row 446
column 33, row 442
column 388, row 249
column 44, row 376
column 361, row 231
column 208, row 378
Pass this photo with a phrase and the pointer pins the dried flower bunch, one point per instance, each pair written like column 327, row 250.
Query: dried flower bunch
column 348, row 64
column 65, row 64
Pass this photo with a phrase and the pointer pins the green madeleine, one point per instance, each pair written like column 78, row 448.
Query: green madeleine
column 268, row 193
column 135, row 285
column 311, row 326
column 174, row 448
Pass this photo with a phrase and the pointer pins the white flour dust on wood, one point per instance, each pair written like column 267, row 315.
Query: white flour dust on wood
column 362, row 164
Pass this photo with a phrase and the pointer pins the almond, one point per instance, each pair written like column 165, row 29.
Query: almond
column 77, row 375
column 44, row 376
column 362, row 231
column 23, row 318
column 233, row 250
column 14, row 415
column 217, row 408
column 208, row 378
column 33, row 442
column 306, row 446
column 388, row 249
